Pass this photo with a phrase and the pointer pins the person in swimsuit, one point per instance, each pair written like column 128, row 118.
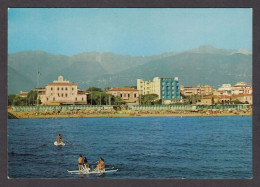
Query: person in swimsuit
column 85, row 164
column 59, row 138
column 101, row 165
column 80, row 161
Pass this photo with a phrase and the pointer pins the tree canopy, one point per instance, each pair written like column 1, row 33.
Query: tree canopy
column 11, row 99
column 148, row 99
column 94, row 89
column 19, row 101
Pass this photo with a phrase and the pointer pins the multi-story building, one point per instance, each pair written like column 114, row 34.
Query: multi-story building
column 129, row 95
column 202, row 90
column 225, row 89
column 165, row 88
column 62, row 92
column 241, row 88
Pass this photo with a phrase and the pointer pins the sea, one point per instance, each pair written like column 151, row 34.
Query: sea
column 139, row 147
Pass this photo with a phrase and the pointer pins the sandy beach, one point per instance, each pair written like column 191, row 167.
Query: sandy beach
column 110, row 114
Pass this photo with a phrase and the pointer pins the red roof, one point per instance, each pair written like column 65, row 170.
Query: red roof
column 60, row 84
column 241, row 85
column 241, row 95
column 122, row 89
column 23, row 94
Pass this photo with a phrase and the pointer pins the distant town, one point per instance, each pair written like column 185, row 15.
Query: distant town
column 160, row 91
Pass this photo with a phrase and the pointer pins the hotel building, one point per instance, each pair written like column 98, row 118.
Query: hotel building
column 62, row 92
column 129, row 95
column 165, row 88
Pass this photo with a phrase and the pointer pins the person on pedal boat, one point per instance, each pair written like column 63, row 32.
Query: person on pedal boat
column 59, row 137
column 101, row 165
column 85, row 164
column 80, row 161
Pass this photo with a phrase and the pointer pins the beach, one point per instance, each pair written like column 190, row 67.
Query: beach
column 125, row 113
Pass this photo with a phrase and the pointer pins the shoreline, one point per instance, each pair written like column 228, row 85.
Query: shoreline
column 34, row 115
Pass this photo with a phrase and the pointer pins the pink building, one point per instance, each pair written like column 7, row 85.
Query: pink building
column 202, row 90
column 129, row 95
column 62, row 92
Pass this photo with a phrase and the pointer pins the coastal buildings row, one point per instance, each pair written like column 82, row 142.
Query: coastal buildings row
column 226, row 93
column 63, row 92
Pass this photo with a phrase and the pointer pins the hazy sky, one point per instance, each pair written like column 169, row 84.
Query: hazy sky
column 134, row 31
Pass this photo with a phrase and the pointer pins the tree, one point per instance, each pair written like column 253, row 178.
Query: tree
column 117, row 100
column 32, row 98
column 237, row 102
column 19, row 101
column 94, row 89
column 148, row 99
column 99, row 98
column 10, row 99
column 107, row 88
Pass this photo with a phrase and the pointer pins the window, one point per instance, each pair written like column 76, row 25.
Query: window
column 58, row 88
column 128, row 95
column 47, row 98
column 75, row 98
column 66, row 95
column 72, row 88
column 51, row 93
column 66, row 88
column 53, row 98
column 58, row 95
column 51, row 88
column 82, row 99
column 61, row 95
column 134, row 95
column 121, row 95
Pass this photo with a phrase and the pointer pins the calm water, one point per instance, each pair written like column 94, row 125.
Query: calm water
column 157, row 147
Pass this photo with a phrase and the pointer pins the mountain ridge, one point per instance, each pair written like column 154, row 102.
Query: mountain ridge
column 109, row 69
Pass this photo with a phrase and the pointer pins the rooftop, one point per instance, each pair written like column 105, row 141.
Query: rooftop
column 122, row 89
column 61, row 84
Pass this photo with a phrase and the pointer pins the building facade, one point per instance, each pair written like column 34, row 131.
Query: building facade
column 244, row 98
column 241, row 88
column 129, row 95
column 225, row 89
column 165, row 88
column 62, row 92
column 202, row 90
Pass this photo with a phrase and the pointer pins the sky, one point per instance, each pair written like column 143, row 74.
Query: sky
column 127, row 31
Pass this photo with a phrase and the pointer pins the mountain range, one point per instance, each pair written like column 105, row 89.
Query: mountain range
column 203, row 65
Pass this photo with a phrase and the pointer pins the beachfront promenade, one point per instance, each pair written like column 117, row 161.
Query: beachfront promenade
column 133, row 111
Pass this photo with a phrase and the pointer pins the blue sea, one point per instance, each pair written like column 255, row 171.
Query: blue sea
column 143, row 147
